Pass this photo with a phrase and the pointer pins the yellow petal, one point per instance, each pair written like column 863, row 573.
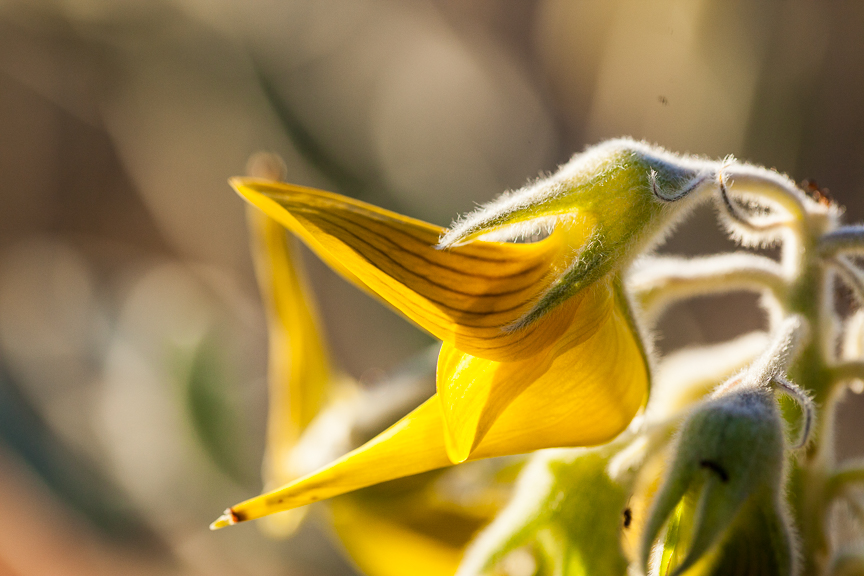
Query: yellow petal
column 587, row 395
column 381, row 547
column 414, row 444
column 299, row 370
column 413, row 533
column 474, row 392
column 467, row 295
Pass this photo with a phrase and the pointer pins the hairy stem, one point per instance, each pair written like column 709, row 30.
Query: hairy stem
column 664, row 280
column 843, row 239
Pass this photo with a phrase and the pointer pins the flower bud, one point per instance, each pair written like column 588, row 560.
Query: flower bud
column 722, row 491
column 568, row 508
column 612, row 201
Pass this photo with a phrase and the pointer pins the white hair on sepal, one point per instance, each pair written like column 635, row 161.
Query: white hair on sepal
column 791, row 335
column 528, row 231
column 663, row 280
column 505, row 203
column 771, row 184
column 804, row 398
column 590, row 166
column 762, row 207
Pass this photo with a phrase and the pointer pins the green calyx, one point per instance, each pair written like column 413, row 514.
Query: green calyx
column 618, row 198
column 722, row 491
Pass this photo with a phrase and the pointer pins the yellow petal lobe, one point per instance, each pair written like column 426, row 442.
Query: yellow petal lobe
column 587, row 396
column 592, row 385
column 414, row 444
column 382, row 547
column 474, row 392
column 468, row 295
column 299, row 370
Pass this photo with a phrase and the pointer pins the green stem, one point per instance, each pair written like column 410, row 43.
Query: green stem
column 851, row 473
column 662, row 281
column 846, row 371
column 846, row 239
column 810, row 296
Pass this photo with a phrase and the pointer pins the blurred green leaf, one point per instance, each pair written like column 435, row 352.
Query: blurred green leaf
column 213, row 412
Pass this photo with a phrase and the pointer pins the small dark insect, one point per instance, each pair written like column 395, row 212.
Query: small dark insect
column 663, row 100
column 816, row 192
column 628, row 517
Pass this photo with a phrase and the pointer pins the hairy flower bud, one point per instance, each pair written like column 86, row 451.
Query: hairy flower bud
column 617, row 198
column 568, row 508
column 722, row 491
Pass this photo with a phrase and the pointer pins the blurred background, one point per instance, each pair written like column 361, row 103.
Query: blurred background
column 132, row 343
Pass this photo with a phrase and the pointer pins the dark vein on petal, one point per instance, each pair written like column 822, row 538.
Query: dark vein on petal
column 376, row 234
column 438, row 284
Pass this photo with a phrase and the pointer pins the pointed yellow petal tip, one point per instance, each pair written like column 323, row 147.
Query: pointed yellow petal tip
column 243, row 185
column 458, row 454
column 228, row 518
column 458, row 444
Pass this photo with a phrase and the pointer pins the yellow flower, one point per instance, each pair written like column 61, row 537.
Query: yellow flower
column 539, row 349
column 314, row 411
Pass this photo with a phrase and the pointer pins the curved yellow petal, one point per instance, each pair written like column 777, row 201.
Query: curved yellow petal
column 589, row 394
column 586, row 395
column 382, row 547
column 414, row 444
column 474, row 392
column 469, row 295
column 299, row 369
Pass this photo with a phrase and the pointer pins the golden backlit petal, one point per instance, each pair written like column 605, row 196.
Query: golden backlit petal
column 414, row 444
column 381, row 546
column 578, row 401
column 590, row 392
column 467, row 295
column 474, row 391
column 298, row 373
column 299, row 369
